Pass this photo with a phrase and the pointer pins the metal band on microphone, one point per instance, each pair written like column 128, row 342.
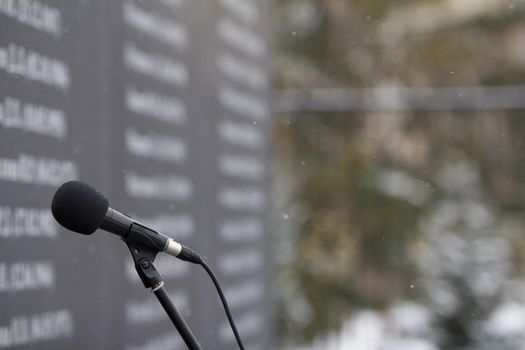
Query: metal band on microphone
column 173, row 248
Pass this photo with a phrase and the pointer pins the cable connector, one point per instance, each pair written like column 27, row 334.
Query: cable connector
column 187, row 254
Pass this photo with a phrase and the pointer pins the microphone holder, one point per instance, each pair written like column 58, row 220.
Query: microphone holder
column 144, row 256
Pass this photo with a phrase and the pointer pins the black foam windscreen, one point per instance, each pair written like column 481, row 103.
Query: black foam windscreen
column 79, row 207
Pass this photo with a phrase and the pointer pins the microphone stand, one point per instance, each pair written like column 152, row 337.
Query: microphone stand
column 143, row 256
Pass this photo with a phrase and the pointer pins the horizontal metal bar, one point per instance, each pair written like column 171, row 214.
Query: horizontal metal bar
column 399, row 98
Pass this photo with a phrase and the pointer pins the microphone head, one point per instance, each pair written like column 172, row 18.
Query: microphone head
column 79, row 207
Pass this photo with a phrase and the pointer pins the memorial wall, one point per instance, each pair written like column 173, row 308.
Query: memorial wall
column 164, row 106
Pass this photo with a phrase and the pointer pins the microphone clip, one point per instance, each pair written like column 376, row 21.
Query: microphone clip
column 144, row 251
column 144, row 245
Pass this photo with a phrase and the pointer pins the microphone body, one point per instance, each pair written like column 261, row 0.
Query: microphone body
column 116, row 222
column 120, row 224
column 82, row 209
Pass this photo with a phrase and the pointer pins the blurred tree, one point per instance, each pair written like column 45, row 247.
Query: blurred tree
column 367, row 184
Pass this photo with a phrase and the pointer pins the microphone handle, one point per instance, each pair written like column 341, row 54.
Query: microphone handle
column 130, row 230
column 116, row 222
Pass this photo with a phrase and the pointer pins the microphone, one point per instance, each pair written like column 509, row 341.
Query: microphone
column 82, row 209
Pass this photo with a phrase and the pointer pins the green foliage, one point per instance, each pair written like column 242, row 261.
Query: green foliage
column 357, row 243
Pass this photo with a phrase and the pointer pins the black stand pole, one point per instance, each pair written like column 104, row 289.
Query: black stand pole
column 177, row 319
column 143, row 257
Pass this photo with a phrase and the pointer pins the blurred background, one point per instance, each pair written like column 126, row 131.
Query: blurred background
column 398, row 177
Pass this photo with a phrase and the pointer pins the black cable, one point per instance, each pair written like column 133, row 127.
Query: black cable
column 224, row 302
column 187, row 254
